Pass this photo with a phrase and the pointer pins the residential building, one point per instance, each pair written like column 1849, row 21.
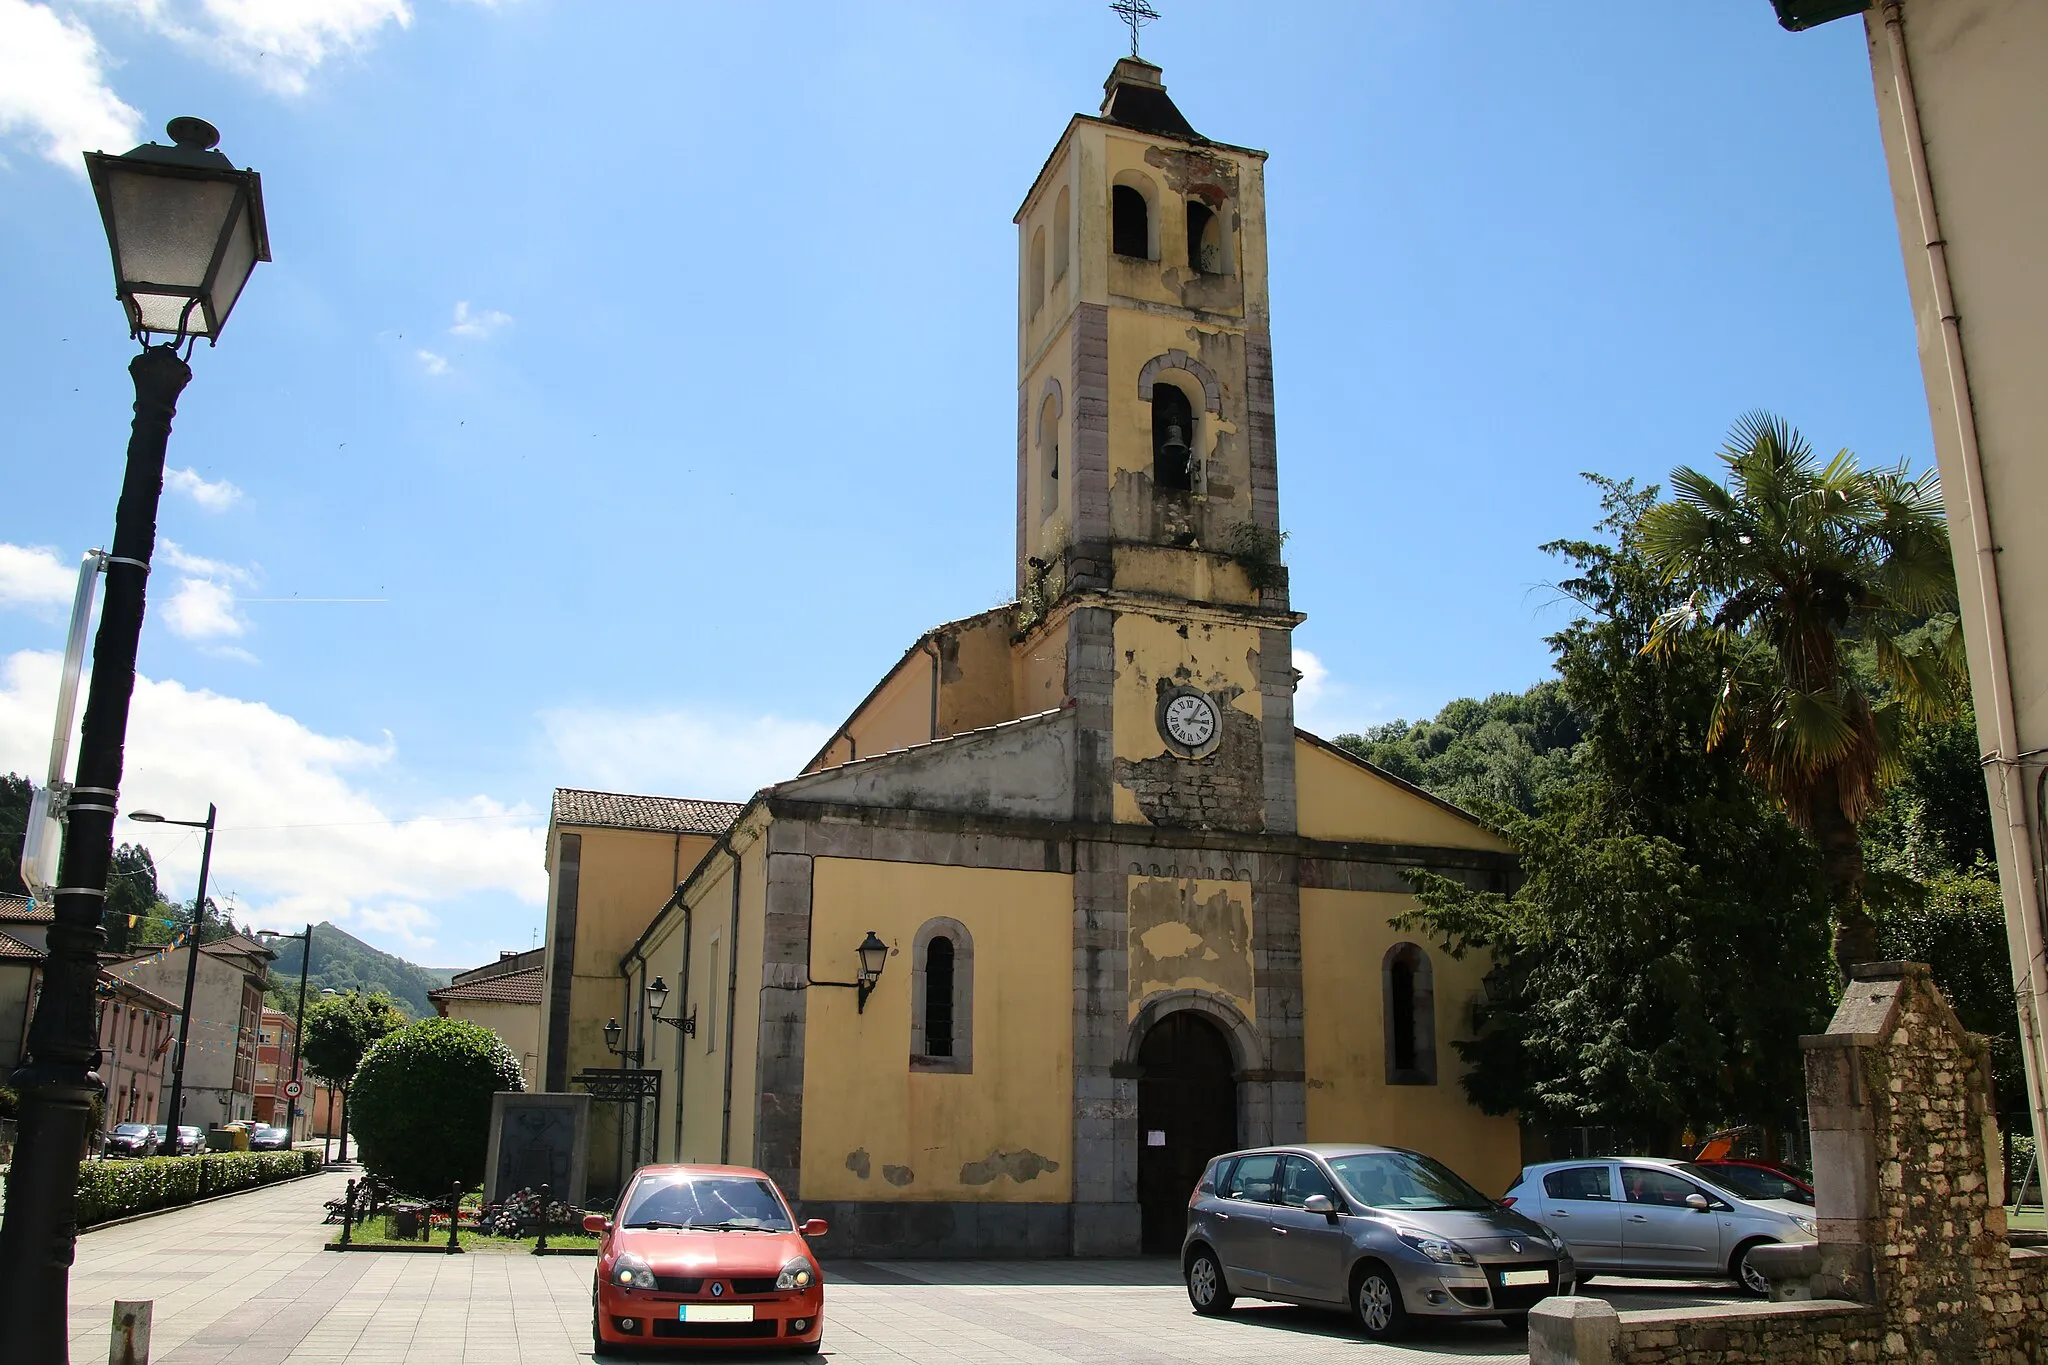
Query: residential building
column 227, row 1011
column 276, row 1053
column 1127, row 914
column 138, row 1029
column 503, row 996
column 21, row 971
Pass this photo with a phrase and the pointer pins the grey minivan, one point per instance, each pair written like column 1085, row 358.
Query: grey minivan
column 1657, row 1218
column 1381, row 1232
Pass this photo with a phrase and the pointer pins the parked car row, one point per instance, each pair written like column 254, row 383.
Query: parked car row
column 130, row 1141
column 1387, row 1234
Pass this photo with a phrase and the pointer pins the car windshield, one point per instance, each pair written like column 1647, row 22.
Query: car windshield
column 131, row 1129
column 726, row 1202
column 1405, row 1180
column 268, row 1133
column 1750, row 1182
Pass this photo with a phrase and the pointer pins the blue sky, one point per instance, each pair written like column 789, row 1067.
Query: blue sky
column 652, row 367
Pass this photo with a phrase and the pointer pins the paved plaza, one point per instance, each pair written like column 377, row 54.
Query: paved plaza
column 244, row 1280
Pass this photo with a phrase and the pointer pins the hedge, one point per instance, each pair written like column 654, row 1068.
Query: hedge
column 116, row 1189
column 420, row 1104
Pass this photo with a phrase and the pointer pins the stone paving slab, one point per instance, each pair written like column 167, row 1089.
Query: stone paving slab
column 245, row 1280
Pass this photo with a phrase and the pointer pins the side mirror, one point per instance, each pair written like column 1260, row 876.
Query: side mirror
column 1697, row 1203
column 814, row 1227
column 1320, row 1203
column 597, row 1223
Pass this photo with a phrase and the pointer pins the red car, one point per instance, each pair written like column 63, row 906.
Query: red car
column 1756, row 1179
column 706, row 1256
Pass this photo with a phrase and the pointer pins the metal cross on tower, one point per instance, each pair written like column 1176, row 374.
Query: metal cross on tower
column 1137, row 14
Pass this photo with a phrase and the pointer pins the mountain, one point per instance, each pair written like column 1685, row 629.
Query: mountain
column 343, row 962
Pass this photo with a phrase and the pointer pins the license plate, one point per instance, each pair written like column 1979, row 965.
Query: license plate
column 1521, row 1277
column 716, row 1312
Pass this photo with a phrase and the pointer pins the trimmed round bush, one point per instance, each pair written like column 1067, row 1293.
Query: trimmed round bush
column 421, row 1104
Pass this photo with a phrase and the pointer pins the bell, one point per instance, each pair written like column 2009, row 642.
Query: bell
column 1175, row 444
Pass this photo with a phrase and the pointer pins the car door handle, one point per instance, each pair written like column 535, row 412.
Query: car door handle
column 1559, row 1213
column 1222, row 1217
column 1280, row 1232
column 1638, row 1218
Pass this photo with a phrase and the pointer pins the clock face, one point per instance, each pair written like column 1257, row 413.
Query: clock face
column 1190, row 720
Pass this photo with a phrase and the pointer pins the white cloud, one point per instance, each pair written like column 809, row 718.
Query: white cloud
column 1328, row 707
column 479, row 324
column 212, row 497
column 301, row 838
column 31, row 576
column 202, row 609
column 433, row 364
column 198, row 566
column 52, row 90
column 720, row 757
column 279, row 42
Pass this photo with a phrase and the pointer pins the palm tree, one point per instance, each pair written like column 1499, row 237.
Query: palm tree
column 1789, row 569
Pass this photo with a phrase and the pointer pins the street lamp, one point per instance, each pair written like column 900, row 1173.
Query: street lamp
column 874, row 955
column 299, row 1028
column 198, row 937
column 657, row 996
column 612, row 1033
column 185, row 229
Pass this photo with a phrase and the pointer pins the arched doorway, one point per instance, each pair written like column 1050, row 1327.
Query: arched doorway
column 1187, row 1113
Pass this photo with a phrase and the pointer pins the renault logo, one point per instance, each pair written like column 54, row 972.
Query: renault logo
column 1515, row 1247
column 718, row 1290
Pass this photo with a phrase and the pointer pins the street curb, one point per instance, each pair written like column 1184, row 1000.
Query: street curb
column 426, row 1249
column 209, row 1199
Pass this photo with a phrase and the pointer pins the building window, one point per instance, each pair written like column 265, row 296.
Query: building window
column 1409, row 1006
column 1205, row 238
column 1049, row 456
column 1062, row 217
column 1037, row 275
column 1173, row 438
column 942, row 998
column 1130, row 232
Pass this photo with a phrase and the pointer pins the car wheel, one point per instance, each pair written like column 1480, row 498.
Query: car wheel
column 1376, row 1302
column 1515, row 1322
column 1207, row 1289
column 1753, row 1281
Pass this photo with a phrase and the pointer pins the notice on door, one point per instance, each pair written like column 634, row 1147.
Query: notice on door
column 1155, row 1137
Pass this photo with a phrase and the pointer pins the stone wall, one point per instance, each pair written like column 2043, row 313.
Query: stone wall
column 1912, row 1262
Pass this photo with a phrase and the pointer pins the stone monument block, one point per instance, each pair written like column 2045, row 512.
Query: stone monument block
column 538, row 1138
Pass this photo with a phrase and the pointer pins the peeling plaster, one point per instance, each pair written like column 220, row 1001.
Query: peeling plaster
column 898, row 1176
column 1182, row 937
column 857, row 1162
column 1020, row 1166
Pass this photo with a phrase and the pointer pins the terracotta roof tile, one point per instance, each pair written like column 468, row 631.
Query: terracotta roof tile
column 14, row 950
column 513, row 988
column 667, row 814
column 22, row 910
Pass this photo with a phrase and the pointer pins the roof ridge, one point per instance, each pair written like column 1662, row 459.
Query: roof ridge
column 921, row 744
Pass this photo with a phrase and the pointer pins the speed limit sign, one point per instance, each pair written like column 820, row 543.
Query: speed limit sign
column 292, row 1090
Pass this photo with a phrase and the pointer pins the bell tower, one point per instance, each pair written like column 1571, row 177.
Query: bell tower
column 1144, row 358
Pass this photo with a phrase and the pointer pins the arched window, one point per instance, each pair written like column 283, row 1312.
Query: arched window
column 1037, row 276
column 1049, row 455
column 1205, row 239
column 1408, row 1002
column 1062, row 219
column 1130, row 232
column 942, row 998
column 1173, row 438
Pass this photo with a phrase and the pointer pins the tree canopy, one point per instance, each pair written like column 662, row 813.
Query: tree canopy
column 341, row 1029
column 422, row 1103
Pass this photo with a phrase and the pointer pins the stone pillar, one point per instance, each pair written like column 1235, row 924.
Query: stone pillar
column 1571, row 1330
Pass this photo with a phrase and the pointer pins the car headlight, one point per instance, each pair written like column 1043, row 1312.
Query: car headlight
column 798, row 1274
column 632, row 1272
column 1439, row 1249
column 1805, row 1225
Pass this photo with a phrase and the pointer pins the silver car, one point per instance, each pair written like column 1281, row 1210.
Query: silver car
column 1657, row 1218
column 1380, row 1232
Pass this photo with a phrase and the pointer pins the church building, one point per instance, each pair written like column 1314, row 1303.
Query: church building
column 1068, row 904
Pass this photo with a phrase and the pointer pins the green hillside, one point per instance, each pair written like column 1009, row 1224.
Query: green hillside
column 343, row 962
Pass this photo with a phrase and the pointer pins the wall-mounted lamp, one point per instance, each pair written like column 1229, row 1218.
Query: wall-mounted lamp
column 874, row 955
column 657, row 996
column 612, row 1034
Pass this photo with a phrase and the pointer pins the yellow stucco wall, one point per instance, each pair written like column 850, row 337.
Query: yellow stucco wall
column 1189, row 932
column 1211, row 656
column 975, row 674
column 1344, row 939
column 900, row 712
column 1039, row 669
column 694, row 1068
column 1338, row 799
column 517, row 1025
column 932, row 1135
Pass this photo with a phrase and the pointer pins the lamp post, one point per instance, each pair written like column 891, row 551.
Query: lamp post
column 185, row 229
column 298, row 1027
column 197, row 939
